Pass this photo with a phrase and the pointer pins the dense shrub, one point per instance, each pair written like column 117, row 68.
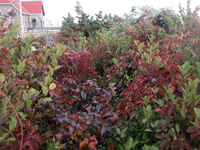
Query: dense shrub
column 137, row 89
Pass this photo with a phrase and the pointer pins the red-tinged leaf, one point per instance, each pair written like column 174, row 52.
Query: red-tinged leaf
column 150, row 96
column 52, row 92
column 27, row 143
column 49, row 133
column 63, row 145
column 77, row 116
column 92, row 146
column 107, row 104
column 157, row 110
column 93, row 139
column 165, row 106
column 194, row 135
column 64, row 99
column 71, row 102
column 83, row 143
column 148, row 16
column 138, row 102
column 121, row 108
column 31, row 145
column 86, row 105
column 192, row 129
column 170, row 111
column 111, row 148
column 59, row 137
column 108, row 76
column 112, row 88
column 84, row 126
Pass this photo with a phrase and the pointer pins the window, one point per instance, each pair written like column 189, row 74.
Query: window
column 34, row 23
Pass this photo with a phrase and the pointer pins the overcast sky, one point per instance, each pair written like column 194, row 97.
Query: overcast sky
column 56, row 9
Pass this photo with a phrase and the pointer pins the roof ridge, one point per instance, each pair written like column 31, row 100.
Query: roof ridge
column 27, row 7
column 23, row 8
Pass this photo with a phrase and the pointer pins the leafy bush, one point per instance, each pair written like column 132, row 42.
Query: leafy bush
column 137, row 89
column 26, row 79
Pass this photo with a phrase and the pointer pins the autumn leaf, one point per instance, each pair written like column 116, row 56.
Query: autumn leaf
column 83, row 143
column 92, row 146
column 74, row 138
column 192, row 129
column 77, row 116
column 59, row 137
column 148, row 16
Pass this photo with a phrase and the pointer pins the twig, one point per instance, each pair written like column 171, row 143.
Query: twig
column 5, row 119
column 7, row 131
column 4, row 95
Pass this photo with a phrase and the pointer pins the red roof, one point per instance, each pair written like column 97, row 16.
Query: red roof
column 28, row 7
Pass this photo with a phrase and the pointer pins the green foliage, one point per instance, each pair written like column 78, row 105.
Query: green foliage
column 119, row 83
column 23, row 74
column 85, row 25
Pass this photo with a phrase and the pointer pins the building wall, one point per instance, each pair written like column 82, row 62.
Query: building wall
column 4, row 8
column 27, row 18
column 39, row 22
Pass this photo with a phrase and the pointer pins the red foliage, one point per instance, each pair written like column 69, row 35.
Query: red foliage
column 76, row 65
column 3, row 55
column 151, row 76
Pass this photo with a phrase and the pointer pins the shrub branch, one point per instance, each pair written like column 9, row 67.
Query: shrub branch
column 4, row 95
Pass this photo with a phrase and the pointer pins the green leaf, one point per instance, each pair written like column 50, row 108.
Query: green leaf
column 129, row 144
column 135, row 143
column 140, row 46
column 21, row 66
column 13, row 73
column 115, row 61
column 51, row 70
column 48, row 99
column 24, row 95
column 2, row 40
column 3, row 136
column 185, row 68
column 66, row 53
column 155, row 90
column 52, row 86
column 43, row 58
column 31, row 92
column 44, row 90
column 23, row 50
column 12, row 123
column 57, row 67
column 22, row 115
column 46, row 79
column 144, row 120
column 59, row 52
column 118, row 131
column 148, row 108
column 2, row 77
column 147, row 130
column 123, row 133
column 177, row 127
column 198, row 64
column 12, row 51
column 160, row 102
column 10, row 139
column 29, row 103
